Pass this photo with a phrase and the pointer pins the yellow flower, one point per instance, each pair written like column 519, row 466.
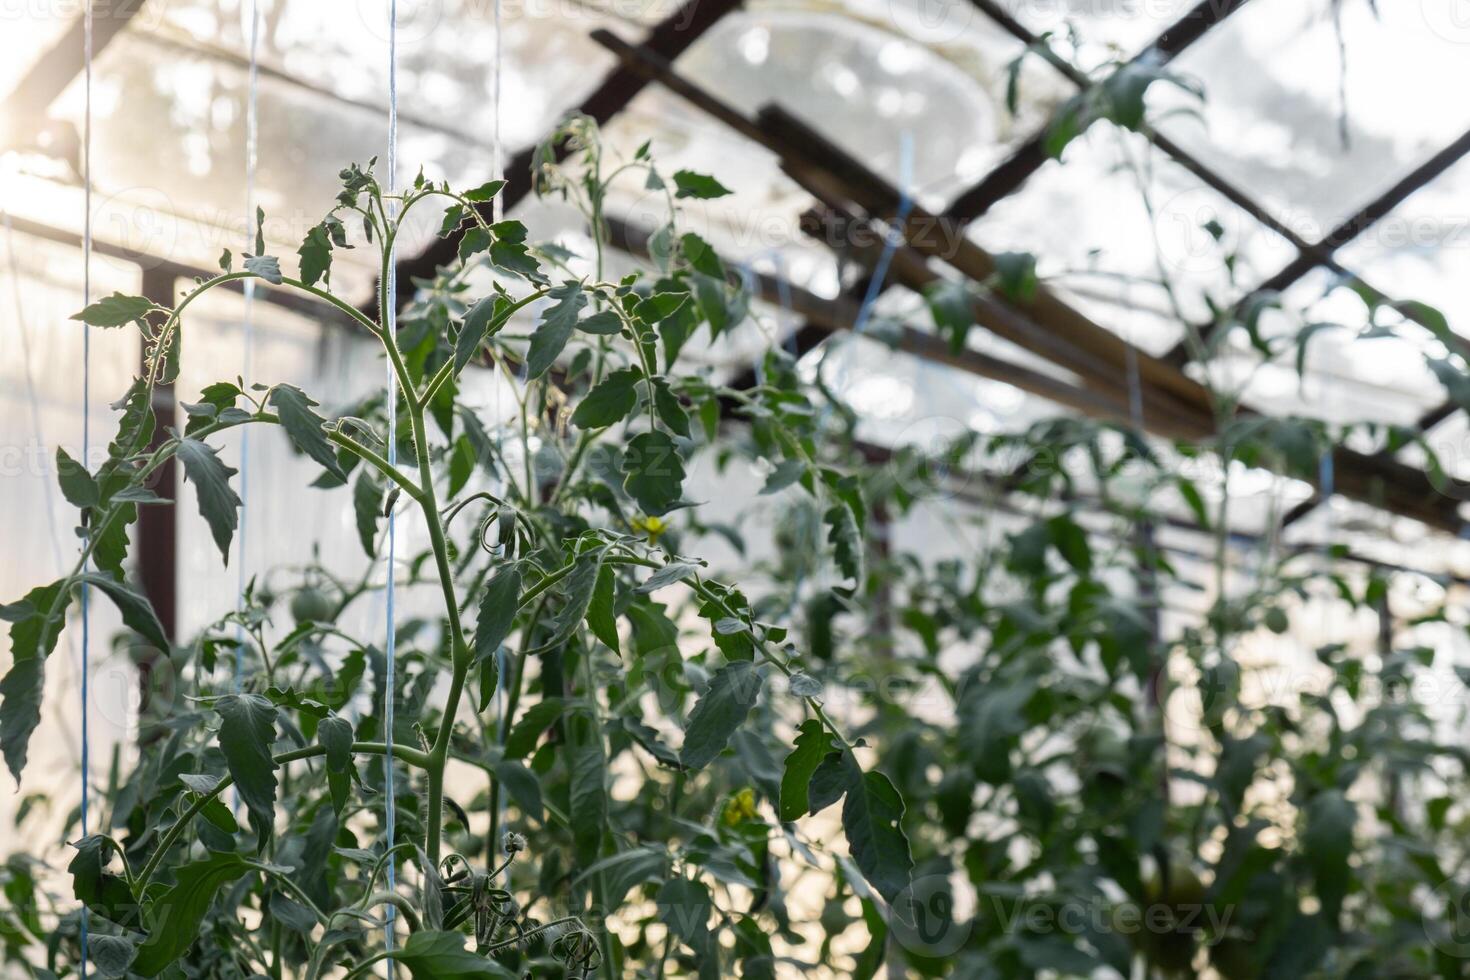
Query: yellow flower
column 651, row 526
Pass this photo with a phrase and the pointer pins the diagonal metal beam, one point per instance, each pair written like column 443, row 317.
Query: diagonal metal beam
column 1350, row 228
column 671, row 37
column 833, row 176
column 1031, row 155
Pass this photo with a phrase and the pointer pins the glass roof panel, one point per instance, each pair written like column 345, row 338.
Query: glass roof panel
column 1088, row 220
column 1314, row 114
column 1419, row 250
column 1103, row 31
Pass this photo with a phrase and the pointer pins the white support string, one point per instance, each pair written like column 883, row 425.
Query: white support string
column 497, row 213
column 252, row 137
column 86, row 431
column 390, row 321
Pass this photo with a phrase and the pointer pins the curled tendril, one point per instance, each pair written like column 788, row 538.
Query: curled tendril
column 578, row 952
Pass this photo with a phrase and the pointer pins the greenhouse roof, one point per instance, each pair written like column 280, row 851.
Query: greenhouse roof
column 1310, row 164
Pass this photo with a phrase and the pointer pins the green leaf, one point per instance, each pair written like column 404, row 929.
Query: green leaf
column 484, row 192
column 367, row 506
column 1015, row 275
column 702, row 186
column 335, row 735
column 602, row 616
column 555, row 328
column 175, row 916
column 846, row 540
column 218, row 502
column 498, row 608
column 604, row 323
column 33, row 633
column 659, row 306
column 522, row 785
column 813, row 744
column 724, row 706
column 577, row 588
column 786, row 473
column 528, row 731
column 872, row 820
column 246, row 733
column 266, row 267
column 1328, row 843
column 137, row 611
column 95, row 886
column 610, row 401
column 653, row 472
column 587, row 786
column 77, row 485
column 702, row 256
column 316, row 256
column 110, row 956
column 685, row 907
column 478, row 323
column 116, row 310
column 442, row 956
column 304, row 427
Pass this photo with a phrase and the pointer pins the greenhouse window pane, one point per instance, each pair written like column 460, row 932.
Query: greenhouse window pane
column 1316, row 115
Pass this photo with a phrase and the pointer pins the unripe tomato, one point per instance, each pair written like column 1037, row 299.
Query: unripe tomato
column 311, row 605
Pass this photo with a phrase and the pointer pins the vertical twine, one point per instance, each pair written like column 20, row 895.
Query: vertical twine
column 252, row 146
column 86, row 434
column 390, row 319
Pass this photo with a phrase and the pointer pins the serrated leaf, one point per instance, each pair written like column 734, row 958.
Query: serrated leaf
column 696, row 185
column 137, row 612
column 304, row 427
column 685, row 907
column 701, row 256
column 674, row 571
column 846, row 540
column 604, row 323
column 872, row 821
column 316, row 256
column 33, row 633
column 610, row 401
column 477, row 325
column 813, row 744
column 367, row 506
column 534, row 721
column 555, row 328
column 653, row 472
column 787, row 472
column 484, row 192
column 498, row 606
column 117, row 310
column 522, row 785
column 577, row 589
column 602, row 610
column 587, row 786
column 77, row 485
column 433, row 955
column 659, row 306
column 246, row 733
column 266, row 267
column 720, row 710
column 218, row 503
column 176, row 914
column 335, row 735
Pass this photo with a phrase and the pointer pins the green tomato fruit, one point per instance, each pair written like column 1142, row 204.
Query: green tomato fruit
column 311, row 605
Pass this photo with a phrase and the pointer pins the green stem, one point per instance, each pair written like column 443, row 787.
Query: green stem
column 406, row 753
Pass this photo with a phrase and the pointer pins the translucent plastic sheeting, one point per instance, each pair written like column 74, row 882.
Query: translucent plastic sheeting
column 37, row 524
column 1315, row 108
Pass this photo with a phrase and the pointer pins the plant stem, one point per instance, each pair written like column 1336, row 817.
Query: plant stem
column 406, row 753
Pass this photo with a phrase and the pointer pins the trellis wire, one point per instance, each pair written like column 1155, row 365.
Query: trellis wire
column 86, row 431
column 252, row 137
column 390, row 321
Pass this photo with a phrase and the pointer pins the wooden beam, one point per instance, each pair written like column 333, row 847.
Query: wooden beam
column 670, row 38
